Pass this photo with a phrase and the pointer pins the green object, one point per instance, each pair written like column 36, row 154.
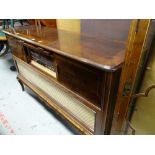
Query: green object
column 2, row 34
column 12, row 22
column 7, row 22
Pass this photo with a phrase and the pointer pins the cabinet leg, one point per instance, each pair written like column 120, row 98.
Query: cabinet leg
column 22, row 85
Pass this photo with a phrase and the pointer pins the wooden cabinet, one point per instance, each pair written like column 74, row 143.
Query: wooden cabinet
column 78, row 80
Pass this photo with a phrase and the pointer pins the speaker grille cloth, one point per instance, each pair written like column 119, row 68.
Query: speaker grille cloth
column 75, row 107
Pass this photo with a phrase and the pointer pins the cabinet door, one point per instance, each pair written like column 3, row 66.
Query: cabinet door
column 140, row 31
column 142, row 111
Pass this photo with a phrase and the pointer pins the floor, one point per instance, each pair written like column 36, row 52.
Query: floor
column 21, row 112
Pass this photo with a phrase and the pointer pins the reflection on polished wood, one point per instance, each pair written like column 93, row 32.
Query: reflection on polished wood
column 102, row 53
column 72, row 25
column 114, row 29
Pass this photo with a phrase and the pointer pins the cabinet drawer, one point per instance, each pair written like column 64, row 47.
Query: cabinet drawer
column 16, row 47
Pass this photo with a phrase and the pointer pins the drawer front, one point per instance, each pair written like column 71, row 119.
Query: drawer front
column 72, row 105
column 85, row 81
column 16, row 47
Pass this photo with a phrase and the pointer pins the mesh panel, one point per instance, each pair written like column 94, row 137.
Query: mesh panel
column 74, row 106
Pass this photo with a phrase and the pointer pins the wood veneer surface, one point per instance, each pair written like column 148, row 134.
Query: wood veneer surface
column 104, row 53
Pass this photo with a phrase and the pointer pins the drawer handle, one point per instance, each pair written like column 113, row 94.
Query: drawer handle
column 144, row 94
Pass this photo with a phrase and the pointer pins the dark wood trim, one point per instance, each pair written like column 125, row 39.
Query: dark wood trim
column 111, row 99
column 136, row 39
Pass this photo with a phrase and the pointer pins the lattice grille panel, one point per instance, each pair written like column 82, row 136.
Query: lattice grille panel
column 74, row 106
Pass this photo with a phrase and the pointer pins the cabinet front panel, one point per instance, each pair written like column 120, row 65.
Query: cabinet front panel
column 74, row 107
column 85, row 81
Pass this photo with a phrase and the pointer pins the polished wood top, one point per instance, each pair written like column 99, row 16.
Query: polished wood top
column 102, row 53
